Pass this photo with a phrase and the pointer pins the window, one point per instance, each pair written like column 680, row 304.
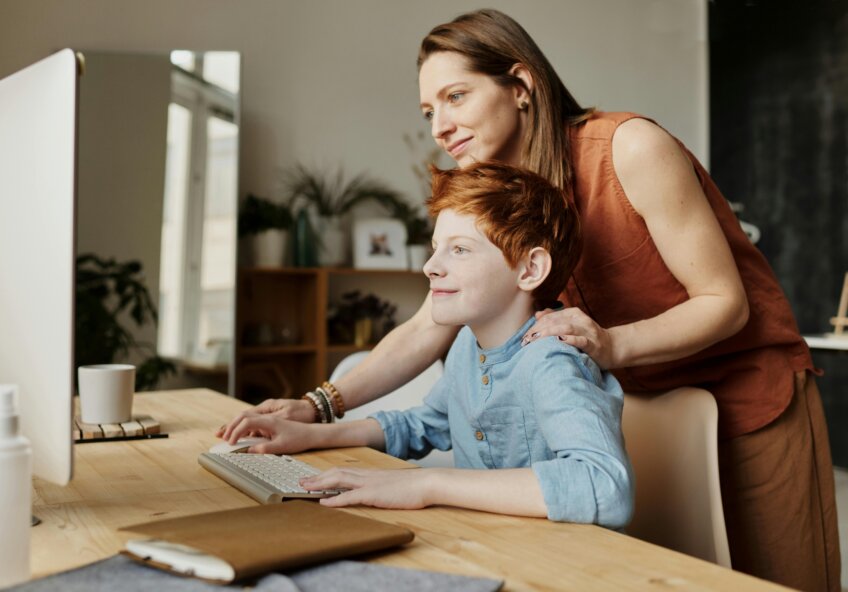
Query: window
column 173, row 223
column 198, row 247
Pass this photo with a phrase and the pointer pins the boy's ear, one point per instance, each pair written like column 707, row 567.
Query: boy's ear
column 534, row 269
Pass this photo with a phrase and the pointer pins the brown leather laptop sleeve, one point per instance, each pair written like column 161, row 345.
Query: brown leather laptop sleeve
column 277, row 537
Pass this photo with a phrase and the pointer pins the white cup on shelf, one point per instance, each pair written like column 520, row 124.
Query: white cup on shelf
column 106, row 393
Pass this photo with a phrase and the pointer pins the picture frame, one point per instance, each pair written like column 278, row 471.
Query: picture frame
column 379, row 243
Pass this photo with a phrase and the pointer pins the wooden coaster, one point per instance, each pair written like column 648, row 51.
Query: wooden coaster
column 140, row 425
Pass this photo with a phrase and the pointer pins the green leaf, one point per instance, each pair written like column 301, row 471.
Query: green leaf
column 105, row 288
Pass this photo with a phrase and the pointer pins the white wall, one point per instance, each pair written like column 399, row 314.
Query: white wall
column 330, row 82
column 333, row 82
column 123, row 113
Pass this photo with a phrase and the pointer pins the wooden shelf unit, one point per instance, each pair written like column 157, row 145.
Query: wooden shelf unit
column 298, row 299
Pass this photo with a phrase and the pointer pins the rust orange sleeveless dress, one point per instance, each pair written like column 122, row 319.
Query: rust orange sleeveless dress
column 621, row 278
column 776, row 472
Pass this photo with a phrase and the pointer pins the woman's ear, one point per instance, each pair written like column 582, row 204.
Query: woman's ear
column 524, row 91
column 534, row 269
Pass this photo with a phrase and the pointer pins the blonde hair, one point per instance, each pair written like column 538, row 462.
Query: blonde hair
column 493, row 43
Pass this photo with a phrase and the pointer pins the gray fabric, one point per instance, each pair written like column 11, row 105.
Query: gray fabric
column 121, row 573
column 356, row 576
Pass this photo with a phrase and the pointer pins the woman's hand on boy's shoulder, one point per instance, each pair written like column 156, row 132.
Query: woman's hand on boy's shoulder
column 577, row 329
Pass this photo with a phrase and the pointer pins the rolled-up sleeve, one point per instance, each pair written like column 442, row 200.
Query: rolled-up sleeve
column 413, row 433
column 578, row 410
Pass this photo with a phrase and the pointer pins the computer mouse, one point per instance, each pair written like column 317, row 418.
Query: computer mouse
column 241, row 446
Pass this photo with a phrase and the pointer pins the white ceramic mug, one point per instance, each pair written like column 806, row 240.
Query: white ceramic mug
column 106, row 392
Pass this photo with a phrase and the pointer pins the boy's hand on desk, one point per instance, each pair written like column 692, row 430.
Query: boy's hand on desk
column 399, row 489
column 286, row 437
column 294, row 409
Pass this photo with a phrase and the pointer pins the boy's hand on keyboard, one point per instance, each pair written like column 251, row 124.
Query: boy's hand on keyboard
column 399, row 489
column 294, row 409
column 286, row 437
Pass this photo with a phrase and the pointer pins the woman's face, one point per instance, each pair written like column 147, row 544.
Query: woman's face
column 471, row 117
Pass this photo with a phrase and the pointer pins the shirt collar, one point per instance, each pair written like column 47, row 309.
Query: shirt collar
column 504, row 352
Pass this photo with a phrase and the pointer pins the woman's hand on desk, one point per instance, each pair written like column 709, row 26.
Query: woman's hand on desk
column 398, row 489
column 293, row 409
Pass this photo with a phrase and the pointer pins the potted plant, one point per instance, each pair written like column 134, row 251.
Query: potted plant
column 420, row 234
column 110, row 294
column 359, row 319
column 330, row 197
column 265, row 224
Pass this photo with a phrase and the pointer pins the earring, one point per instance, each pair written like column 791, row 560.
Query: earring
column 523, row 106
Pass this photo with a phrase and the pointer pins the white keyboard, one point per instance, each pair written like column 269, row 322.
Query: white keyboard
column 267, row 478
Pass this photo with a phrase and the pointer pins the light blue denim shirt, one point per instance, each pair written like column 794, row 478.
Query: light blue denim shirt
column 546, row 405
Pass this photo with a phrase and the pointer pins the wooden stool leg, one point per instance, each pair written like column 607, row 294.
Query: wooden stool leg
column 841, row 319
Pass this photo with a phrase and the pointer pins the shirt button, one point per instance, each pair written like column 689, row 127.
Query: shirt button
column 479, row 435
column 482, row 358
column 485, row 380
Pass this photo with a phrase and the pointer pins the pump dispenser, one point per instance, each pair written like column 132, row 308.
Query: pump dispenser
column 15, row 492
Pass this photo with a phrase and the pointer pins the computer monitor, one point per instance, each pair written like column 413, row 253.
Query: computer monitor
column 38, row 139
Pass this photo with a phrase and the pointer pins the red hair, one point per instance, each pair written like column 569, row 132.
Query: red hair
column 517, row 210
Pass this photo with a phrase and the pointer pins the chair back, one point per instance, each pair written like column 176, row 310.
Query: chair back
column 409, row 395
column 672, row 440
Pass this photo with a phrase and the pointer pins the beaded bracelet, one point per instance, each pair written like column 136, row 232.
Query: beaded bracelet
column 320, row 414
column 314, row 406
column 326, row 396
column 326, row 408
column 326, row 405
column 336, row 397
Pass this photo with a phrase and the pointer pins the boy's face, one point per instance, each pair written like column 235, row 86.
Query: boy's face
column 470, row 280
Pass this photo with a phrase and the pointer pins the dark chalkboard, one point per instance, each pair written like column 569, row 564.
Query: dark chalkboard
column 779, row 145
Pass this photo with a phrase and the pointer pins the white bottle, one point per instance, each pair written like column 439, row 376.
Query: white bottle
column 15, row 492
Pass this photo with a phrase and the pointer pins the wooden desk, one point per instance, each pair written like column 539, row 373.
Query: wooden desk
column 120, row 483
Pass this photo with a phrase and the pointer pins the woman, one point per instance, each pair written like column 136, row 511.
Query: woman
column 669, row 292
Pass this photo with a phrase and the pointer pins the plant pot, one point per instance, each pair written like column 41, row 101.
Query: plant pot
column 268, row 249
column 363, row 329
column 417, row 256
column 332, row 251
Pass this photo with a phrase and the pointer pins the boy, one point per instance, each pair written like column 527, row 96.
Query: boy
column 543, row 416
